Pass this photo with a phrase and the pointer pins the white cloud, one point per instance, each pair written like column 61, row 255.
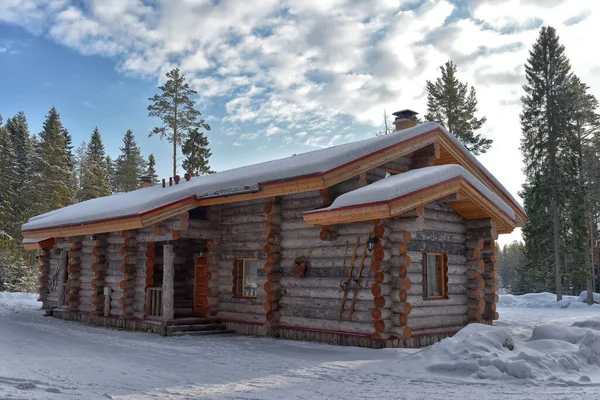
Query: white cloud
column 314, row 67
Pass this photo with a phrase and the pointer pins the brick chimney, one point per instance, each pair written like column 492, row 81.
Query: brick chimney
column 405, row 119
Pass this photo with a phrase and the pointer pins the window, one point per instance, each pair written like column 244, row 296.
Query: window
column 435, row 280
column 245, row 271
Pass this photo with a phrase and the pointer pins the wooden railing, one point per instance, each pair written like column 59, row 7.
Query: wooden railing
column 154, row 302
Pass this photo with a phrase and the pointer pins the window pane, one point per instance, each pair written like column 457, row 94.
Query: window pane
column 251, row 274
column 433, row 285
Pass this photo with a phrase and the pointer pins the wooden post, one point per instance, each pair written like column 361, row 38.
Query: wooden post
column 168, row 295
column 107, row 293
column 62, row 277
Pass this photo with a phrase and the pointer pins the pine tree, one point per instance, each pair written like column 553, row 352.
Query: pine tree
column 130, row 165
column 151, row 171
column 94, row 179
column 51, row 171
column 19, row 132
column 112, row 180
column 175, row 107
column 7, row 179
column 546, row 153
column 451, row 104
column 196, row 152
column 80, row 165
column 18, row 138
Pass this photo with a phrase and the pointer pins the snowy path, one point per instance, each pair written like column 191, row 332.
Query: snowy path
column 46, row 358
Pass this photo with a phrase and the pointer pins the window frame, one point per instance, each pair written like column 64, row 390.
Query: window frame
column 442, row 276
column 235, row 277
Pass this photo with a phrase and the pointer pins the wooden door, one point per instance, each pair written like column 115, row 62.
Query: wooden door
column 201, row 290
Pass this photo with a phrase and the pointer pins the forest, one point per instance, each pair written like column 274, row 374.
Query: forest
column 560, row 147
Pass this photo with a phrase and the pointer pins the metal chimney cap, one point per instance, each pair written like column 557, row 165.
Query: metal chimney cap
column 408, row 114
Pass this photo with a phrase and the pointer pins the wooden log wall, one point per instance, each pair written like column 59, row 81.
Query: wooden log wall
column 74, row 284
column 311, row 303
column 55, row 279
column 391, row 308
column 144, row 276
column 44, row 278
column 444, row 231
column 272, row 269
column 93, row 267
column 86, row 290
column 242, row 235
column 484, row 232
column 116, row 264
column 127, row 284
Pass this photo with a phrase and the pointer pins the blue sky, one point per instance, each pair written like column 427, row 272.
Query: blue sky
column 277, row 77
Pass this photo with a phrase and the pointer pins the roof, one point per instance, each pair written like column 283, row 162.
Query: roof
column 303, row 172
column 392, row 196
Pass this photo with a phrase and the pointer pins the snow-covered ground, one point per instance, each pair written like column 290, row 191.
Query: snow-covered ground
column 536, row 350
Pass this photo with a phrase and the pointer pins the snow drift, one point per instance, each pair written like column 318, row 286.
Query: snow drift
column 546, row 300
column 553, row 354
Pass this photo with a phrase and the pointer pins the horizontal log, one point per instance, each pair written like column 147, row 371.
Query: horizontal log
column 312, row 282
column 437, row 247
column 413, row 224
column 241, row 308
column 326, row 293
column 419, row 301
column 437, row 321
column 437, row 236
column 320, row 324
column 325, row 314
column 304, row 204
column 333, row 304
column 240, row 316
column 441, row 310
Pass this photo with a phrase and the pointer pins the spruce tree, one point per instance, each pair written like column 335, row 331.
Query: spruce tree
column 112, row 180
column 453, row 105
column 130, row 165
column 151, row 171
column 52, row 171
column 545, row 146
column 175, row 108
column 7, row 179
column 196, row 152
column 18, row 130
column 80, row 165
column 94, row 179
column 18, row 138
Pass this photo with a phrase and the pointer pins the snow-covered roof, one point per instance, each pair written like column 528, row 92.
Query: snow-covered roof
column 400, row 185
column 33, row 241
column 235, row 181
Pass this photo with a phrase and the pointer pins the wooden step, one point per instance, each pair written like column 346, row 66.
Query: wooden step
column 199, row 327
column 193, row 321
column 201, row 333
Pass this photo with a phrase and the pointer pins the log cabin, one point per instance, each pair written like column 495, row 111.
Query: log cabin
column 383, row 242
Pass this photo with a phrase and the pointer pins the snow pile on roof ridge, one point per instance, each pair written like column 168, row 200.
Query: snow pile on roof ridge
column 546, row 300
column 411, row 181
column 477, row 353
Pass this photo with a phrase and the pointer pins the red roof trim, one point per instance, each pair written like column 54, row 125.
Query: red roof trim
column 98, row 221
column 382, row 202
column 385, row 202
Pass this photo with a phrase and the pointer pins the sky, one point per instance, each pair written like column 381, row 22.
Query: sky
column 276, row 78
